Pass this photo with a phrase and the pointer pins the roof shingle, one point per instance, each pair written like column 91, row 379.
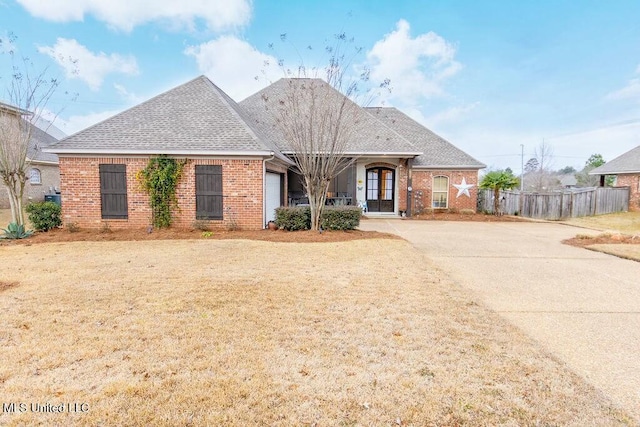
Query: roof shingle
column 372, row 136
column 437, row 152
column 628, row 162
column 194, row 117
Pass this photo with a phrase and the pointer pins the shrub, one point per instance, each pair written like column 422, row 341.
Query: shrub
column 15, row 231
column 44, row 215
column 72, row 227
column 340, row 218
column 333, row 218
column 201, row 225
column 105, row 228
column 293, row 218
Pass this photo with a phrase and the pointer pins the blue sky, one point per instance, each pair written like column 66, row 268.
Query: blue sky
column 487, row 75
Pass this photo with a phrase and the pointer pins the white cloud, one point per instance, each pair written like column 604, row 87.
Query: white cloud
column 451, row 114
column 130, row 97
column 79, row 62
column 631, row 90
column 235, row 66
column 77, row 123
column 417, row 67
column 127, row 14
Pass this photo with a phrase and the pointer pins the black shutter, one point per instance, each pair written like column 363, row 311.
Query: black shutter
column 113, row 191
column 208, row 192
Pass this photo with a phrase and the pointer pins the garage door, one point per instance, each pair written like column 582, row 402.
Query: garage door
column 273, row 195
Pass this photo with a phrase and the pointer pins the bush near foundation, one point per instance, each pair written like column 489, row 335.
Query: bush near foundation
column 44, row 215
column 293, row 218
column 341, row 218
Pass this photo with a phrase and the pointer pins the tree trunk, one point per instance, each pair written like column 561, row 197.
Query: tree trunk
column 496, row 201
column 15, row 201
column 317, row 195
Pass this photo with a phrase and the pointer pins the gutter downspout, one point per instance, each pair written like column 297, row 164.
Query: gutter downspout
column 409, row 186
column 264, row 189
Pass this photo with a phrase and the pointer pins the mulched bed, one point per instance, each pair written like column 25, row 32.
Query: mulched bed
column 582, row 241
column 83, row 235
column 61, row 235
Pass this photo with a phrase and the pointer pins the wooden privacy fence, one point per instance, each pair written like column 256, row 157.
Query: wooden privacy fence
column 558, row 205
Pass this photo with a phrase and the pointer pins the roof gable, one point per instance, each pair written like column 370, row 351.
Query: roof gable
column 628, row 162
column 437, row 151
column 372, row 136
column 194, row 117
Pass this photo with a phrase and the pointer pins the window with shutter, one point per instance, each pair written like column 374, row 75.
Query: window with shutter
column 113, row 191
column 209, row 192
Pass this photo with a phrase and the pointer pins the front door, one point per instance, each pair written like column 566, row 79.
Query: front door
column 380, row 189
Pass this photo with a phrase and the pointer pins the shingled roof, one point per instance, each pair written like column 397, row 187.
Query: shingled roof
column 372, row 136
column 41, row 140
column 194, row 118
column 628, row 162
column 198, row 118
column 436, row 151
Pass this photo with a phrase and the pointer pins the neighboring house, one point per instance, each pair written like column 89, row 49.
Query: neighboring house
column 627, row 169
column 237, row 168
column 568, row 180
column 43, row 171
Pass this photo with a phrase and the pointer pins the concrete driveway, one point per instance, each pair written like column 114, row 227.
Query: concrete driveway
column 582, row 306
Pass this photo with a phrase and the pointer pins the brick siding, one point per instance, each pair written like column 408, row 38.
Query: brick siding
column 422, row 183
column 242, row 191
column 633, row 182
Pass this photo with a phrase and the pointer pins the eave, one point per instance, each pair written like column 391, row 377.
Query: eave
column 186, row 153
column 370, row 153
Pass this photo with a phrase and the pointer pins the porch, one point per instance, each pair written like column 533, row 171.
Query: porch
column 372, row 184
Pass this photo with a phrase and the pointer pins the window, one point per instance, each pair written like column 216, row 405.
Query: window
column 208, row 192
column 372, row 184
column 35, row 176
column 440, row 191
column 113, row 191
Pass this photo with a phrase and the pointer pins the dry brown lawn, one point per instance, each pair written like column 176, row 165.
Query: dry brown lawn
column 238, row 332
column 621, row 237
column 623, row 222
column 5, row 217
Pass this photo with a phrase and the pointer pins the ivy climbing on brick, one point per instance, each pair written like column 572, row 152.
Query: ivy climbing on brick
column 160, row 180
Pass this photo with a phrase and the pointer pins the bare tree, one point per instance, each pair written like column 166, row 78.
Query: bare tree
column 543, row 178
column 27, row 95
column 318, row 118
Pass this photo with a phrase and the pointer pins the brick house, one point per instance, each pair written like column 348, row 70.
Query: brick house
column 626, row 168
column 237, row 170
column 43, row 171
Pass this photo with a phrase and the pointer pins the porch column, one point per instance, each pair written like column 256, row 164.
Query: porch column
column 409, row 187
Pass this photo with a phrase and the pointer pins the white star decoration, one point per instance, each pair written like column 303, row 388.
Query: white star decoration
column 463, row 188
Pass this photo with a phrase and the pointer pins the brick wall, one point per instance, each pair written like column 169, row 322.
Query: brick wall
column 633, row 182
column 422, row 183
column 80, row 185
